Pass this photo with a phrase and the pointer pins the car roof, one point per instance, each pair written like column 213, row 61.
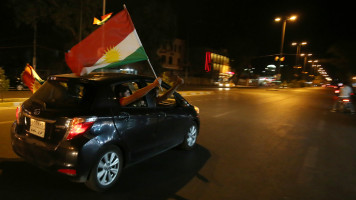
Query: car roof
column 103, row 77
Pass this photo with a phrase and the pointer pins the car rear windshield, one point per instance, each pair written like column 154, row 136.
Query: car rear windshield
column 63, row 94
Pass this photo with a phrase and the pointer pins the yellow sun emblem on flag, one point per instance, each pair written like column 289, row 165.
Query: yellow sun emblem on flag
column 112, row 55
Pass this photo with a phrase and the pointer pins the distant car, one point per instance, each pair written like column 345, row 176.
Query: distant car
column 226, row 84
column 17, row 84
column 75, row 126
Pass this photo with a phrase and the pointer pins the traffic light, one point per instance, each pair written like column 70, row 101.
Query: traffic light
column 278, row 58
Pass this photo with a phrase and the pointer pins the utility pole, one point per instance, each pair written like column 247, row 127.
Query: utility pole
column 81, row 21
column 104, row 6
column 34, row 60
column 284, row 21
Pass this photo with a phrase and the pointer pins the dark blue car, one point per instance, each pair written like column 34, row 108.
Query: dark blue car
column 75, row 126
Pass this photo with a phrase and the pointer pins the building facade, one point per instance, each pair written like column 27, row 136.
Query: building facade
column 173, row 55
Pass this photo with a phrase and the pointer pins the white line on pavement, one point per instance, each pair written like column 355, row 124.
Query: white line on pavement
column 306, row 174
column 311, row 158
column 321, row 125
column 6, row 122
column 222, row 114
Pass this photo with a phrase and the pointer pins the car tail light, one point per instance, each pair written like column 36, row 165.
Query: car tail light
column 18, row 114
column 68, row 171
column 80, row 126
column 337, row 91
column 346, row 100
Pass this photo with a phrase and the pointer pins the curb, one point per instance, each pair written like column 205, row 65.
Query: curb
column 11, row 102
column 192, row 93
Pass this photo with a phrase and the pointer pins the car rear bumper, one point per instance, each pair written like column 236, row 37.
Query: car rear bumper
column 52, row 159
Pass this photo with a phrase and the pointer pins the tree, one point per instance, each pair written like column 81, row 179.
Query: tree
column 155, row 22
column 62, row 23
column 4, row 82
column 342, row 56
column 70, row 18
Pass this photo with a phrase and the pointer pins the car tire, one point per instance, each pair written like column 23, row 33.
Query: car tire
column 106, row 169
column 190, row 137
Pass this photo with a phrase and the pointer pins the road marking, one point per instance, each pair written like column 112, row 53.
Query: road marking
column 321, row 125
column 223, row 114
column 194, row 93
column 8, row 108
column 311, row 158
column 6, row 122
column 308, row 170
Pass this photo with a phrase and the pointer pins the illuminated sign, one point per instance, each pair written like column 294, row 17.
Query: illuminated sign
column 207, row 61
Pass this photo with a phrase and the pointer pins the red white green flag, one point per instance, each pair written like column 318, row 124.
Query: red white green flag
column 113, row 44
column 31, row 78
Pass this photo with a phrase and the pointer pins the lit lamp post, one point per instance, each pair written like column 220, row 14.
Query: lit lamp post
column 304, row 71
column 312, row 65
column 298, row 50
column 278, row 19
column 305, row 60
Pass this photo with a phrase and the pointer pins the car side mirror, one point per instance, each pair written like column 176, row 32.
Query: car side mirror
column 181, row 102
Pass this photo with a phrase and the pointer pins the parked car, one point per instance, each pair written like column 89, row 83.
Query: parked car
column 75, row 126
column 17, row 84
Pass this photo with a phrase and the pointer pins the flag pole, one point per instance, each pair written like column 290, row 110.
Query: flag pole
column 149, row 62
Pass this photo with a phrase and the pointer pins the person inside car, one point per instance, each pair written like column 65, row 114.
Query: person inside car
column 169, row 92
column 126, row 98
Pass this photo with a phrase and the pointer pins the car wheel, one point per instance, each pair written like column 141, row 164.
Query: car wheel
column 190, row 137
column 106, row 169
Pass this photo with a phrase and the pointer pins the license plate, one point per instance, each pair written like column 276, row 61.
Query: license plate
column 38, row 128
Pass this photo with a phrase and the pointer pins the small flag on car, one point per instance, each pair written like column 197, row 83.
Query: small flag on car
column 104, row 18
column 31, row 79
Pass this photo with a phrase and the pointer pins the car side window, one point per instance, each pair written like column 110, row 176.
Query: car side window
column 169, row 102
column 132, row 87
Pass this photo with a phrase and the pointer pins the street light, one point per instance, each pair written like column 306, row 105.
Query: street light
column 285, row 19
column 304, row 71
column 312, row 62
column 312, row 69
column 298, row 44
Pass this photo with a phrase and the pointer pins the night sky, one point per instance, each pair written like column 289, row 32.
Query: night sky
column 319, row 23
column 248, row 25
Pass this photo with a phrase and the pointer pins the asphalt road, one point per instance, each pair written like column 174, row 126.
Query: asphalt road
column 253, row 144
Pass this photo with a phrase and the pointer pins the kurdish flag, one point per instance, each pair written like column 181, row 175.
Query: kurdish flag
column 114, row 43
column 31, row 78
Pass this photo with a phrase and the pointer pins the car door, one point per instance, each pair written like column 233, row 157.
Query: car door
column 173, row 122
column 137, row 124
